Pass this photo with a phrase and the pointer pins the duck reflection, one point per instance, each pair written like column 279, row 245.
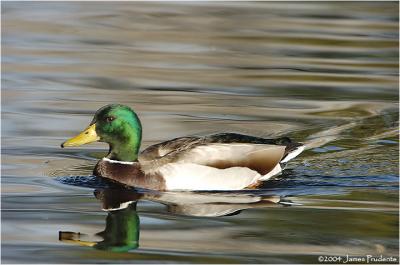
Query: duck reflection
column 121, row 233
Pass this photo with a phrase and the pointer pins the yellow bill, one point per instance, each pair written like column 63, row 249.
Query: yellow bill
column 89, row 135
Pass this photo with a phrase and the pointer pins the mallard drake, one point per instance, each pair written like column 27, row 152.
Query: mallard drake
column 225, row 161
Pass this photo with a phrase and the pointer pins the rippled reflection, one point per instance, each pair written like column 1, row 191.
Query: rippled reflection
column 121, row 233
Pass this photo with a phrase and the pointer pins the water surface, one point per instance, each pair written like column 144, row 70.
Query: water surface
column 325, row 74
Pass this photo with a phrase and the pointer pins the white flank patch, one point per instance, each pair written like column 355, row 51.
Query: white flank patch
column 275, row 171
column 118, row 162
column 293, row 154
column 188, row 176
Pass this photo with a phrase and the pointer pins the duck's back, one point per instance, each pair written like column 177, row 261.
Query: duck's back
column 225, row 161
column 184, row 144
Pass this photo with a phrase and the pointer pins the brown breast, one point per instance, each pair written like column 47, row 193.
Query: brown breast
column 129, row 174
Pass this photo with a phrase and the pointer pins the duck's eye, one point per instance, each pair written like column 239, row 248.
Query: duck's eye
column 110, row 119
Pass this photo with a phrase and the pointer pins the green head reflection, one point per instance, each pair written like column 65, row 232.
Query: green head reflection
column 121, row 233
column 122, row 230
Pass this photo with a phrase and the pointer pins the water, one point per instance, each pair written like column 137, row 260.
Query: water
column 325, row 74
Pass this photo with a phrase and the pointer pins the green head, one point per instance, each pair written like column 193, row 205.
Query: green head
column 117, row 125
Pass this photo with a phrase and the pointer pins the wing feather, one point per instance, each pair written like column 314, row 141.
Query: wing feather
column 168, row 147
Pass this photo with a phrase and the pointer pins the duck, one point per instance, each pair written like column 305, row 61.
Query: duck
column 223, row 161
